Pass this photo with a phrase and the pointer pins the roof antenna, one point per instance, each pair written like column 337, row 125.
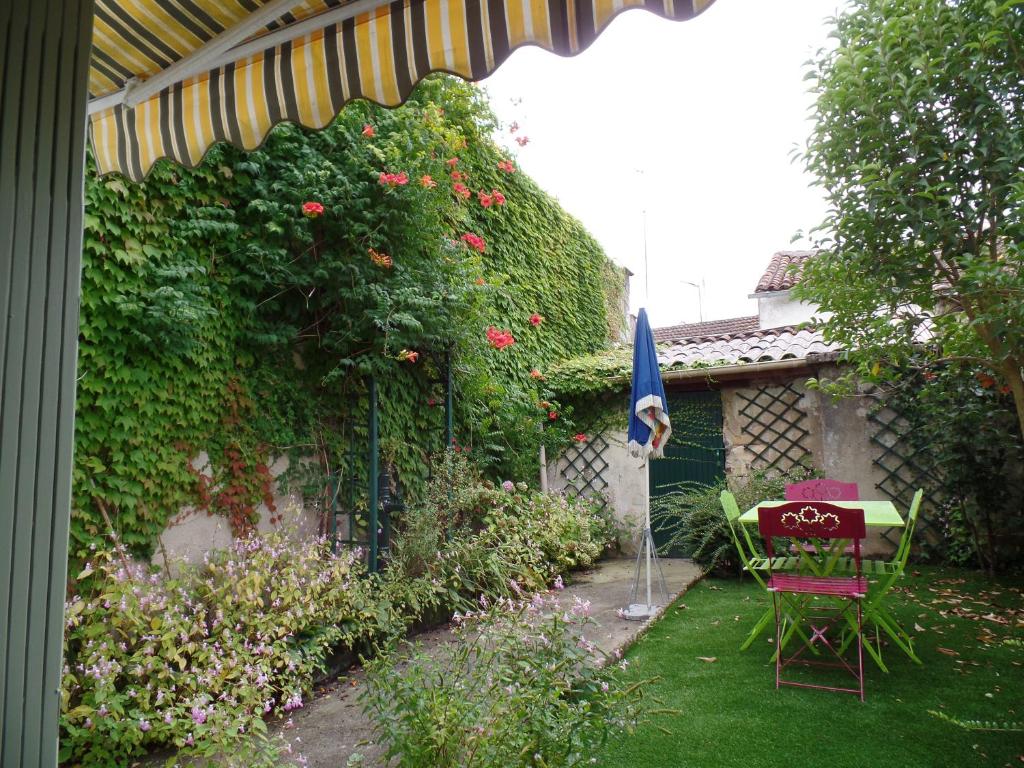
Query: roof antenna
column 643, row 213
column 647, row 280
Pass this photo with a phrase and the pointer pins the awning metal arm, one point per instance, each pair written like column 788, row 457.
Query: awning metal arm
column 230, row 46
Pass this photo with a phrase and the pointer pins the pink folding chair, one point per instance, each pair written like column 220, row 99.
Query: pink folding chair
column 822, row 490
column 820, row 521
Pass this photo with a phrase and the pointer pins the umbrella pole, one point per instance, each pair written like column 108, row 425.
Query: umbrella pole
column 648, row 538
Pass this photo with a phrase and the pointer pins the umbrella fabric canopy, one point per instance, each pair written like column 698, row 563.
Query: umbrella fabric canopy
column 169, row 78
column 649, row 425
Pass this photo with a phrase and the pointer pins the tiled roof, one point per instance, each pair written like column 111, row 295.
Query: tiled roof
column 777, row 276
column 710, row 328
column 757, row 346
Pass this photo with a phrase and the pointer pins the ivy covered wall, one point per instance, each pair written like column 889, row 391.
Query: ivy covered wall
column 217, row 318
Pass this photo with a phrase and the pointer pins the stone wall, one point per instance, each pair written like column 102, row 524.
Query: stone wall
column 835, row 436
column 775, row 420
column 193, row 532
column 622, row 480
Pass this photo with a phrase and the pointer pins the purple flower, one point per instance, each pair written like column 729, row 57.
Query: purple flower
column 144, row 725
column 509, row 486
column 198, row 715
column 559, row 584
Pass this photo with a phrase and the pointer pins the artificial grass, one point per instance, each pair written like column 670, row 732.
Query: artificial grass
column 730, row 714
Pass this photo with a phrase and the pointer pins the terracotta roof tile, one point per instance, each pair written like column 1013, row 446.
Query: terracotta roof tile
column 754, row 346
column 778, row 277
column 709, row 328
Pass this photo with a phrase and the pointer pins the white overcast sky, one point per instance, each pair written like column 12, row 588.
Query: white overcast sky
column 691, row 121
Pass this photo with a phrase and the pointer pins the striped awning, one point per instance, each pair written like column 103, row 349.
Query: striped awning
column 169, row 78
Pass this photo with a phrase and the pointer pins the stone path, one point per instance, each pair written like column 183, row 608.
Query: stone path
column 331, row 727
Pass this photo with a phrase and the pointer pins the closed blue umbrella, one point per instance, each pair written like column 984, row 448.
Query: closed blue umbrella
column 649, row 430
column 649, row 425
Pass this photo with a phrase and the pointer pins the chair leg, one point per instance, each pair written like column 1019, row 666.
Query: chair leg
column 896, row 632
column 860, row 648
column 874, row 653
column 762, row 624
column 883, row 620
column 822, row 621
column 778, row 642
column 795, row 627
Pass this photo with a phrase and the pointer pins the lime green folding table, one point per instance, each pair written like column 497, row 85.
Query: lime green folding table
column 877, row 514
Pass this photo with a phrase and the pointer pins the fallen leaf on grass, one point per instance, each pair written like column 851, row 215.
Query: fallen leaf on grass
column 919, row 628
column 708, row 659
column 947, row 651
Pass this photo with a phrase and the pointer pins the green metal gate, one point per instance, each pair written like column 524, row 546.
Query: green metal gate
column 695, row 454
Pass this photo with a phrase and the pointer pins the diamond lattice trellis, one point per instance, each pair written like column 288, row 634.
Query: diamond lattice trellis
column 905, row 468
column 774, row 421
column 584, row 467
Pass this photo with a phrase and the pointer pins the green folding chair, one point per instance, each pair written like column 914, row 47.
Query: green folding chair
column 753, row 562
column 885, row 574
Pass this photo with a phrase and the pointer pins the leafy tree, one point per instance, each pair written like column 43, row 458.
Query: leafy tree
column 918, row 144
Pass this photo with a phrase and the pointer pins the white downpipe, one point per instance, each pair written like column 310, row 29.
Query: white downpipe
column 543, row 469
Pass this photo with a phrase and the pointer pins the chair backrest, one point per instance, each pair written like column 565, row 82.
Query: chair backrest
column 822, row 490
column 811, row 520
column 903, row 550
column 740, row 536
column 732, row 509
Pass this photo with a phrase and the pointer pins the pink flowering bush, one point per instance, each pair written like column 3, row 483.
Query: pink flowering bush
column 521, row 686
column 197, row 661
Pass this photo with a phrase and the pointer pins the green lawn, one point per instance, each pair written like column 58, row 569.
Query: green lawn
column 732, row 716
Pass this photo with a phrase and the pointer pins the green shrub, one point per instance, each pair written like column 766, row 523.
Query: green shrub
column 196, row 661
column 497, row 532
column 696, row 523
column 522, row 686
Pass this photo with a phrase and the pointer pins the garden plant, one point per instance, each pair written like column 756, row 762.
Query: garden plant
column 196, row 661
column 519, row 685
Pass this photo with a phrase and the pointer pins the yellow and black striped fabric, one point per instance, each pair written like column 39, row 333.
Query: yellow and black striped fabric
column 379, row 55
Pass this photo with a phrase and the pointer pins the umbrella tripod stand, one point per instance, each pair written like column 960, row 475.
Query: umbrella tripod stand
column 641, row 605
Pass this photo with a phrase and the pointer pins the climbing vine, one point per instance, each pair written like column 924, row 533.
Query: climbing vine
column 232, row 313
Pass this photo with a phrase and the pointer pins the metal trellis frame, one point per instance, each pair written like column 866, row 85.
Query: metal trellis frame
column 905, row 467
column 774, row 420
column 584, row 469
